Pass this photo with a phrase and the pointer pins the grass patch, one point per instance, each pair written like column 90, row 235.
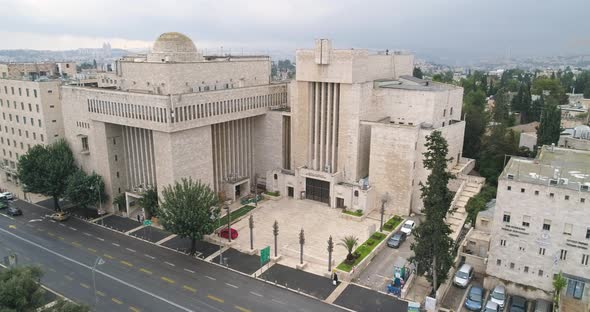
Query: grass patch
column 356, row 213
column 363, row 251
column 392, row 223
column 234, row 215
column 275, row 193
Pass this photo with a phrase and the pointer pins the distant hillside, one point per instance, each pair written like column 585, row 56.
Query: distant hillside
column 79, row 55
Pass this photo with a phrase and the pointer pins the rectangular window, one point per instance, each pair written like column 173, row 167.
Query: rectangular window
column 39, row 121
column 575, row 288
column 536, row 192
column 509, row 188
column 540, row 272
column 84, row 143
column 526, row 221
column 506, row 217
column 585, row 260
column 547, row 225
column 498, row 262
column 551, row 195
column 567, row 197
column 512, row 265
column 567, row 229
column 35, row 93
column 503, row 242
column 526, row 269
column 542, row 251
column 563, row 254
column 587, row 233
column 522, row 190
column 582, row 200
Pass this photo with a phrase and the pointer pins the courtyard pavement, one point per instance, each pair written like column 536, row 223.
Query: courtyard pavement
column 361, row 299
column 242, row 262
column 318, row 222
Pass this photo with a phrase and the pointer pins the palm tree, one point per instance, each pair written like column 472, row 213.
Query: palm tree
column 559, row 282
column 349, row 242
column 119, row 201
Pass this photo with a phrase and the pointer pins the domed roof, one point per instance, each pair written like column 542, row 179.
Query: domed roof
column 174, row 42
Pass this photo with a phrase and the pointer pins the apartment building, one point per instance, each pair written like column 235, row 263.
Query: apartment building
column 541, row 226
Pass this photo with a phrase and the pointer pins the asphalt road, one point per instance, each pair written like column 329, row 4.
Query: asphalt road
column 136, row 276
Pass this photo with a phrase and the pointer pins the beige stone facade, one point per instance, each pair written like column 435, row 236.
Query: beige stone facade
column 175, row 113
column 360, row 122
column 31, row 114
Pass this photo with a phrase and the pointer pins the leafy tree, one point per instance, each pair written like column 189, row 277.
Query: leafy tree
column 587, row 90
column 446, row 77
column 188, row 209
column 85, row 190
column 149, row 202
column 349, row 242
column 501, row 111
column 559, row 283
column 495, row 146
column 475, row 123
column 433, row 246
column 536, row 109
column 119, row 201
column 552, row 86
column 522, row 102
column 550, row 126
column 20, row 289
column 46, row 169
column 418, row 72
column 67, row 306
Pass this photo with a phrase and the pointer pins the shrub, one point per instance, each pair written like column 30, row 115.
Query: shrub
column 478, row 202
column 275, row 193
column 357, row 213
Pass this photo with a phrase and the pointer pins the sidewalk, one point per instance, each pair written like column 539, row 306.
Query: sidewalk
column 18, row 192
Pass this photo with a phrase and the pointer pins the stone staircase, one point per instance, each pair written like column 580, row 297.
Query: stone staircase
column 470, row 186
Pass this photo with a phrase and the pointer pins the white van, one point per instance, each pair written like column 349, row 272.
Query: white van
column 463, row 276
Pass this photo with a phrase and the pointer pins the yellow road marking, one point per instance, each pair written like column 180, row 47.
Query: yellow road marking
column 126, row 263
column 108, row 256
column 117, row 301
column 85, row 286
column 242, row 309
column 40, row 229
column 50, row 234
column 164, row 278
column 215, row 298
column 100, row 293
column 189, row 288
column 134, row 309
column 76, row 244
column 145, row 271
column 69, row 278
column 91, row 249
column 61, row 238
column 12, row 226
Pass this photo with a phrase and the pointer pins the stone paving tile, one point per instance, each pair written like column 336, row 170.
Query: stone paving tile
column 204, row 249
column 151, row 234
column 120, row 224
column 362, row 299
column 311, row 284
column 240, row 261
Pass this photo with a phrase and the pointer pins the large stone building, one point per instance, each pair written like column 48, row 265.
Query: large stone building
column 31, row 110
column 541, row 226
column 360, row 122
column 176, row 113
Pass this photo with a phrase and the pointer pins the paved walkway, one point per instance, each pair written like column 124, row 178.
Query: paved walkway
column 311, row 284
column 239, row 261
column 363, row 299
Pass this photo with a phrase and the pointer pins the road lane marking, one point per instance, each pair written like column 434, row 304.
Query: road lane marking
column 190, row 271
column 153, row 295
column 256, row 294
column 211, row 278
column 87, row 234
column 61, row 238
column 51, row 234
column 40, row 229
column 130, row 249
column 278, row 301
column 69, row 278
column 100, row 293
column 151, row 257
column 12, row 226
column 117, row 301
column 215, row 298
column 85, row 286
column 52, row 270
column 168, row 263
column 91, row 249
column 30, row 225
column 71, row 228
column 242, row 309
column 108, row 256
column 145, row 271
column 11, row 218
column 189, row 288
column 100, row 239
column 134, row 309
column 231, row 285
column 126, row 263
column 164, row 278
column 61, row 224
column 76, row 244
column 115, row 244
column 52, row 221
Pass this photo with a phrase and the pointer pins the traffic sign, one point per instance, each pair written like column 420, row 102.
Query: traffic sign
column 264, row 255
column 147, row 222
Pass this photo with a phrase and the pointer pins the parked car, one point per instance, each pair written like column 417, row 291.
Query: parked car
column 225, row 233
column 408, row 227
column 498, row 296
column 7, row 195
column 13, row 211
column 474, row 299
column 542, row 306
column 517, row 304
column 491, row 307
column 60, row 216
column 463, row 276
column 396, row 240
column 3, row 204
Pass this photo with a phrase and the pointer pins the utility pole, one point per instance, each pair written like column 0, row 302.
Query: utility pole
column 330, row 250
column 301, row 243
column 384, row 199
column 228, row 223
column 275, row 232
column 251, row 225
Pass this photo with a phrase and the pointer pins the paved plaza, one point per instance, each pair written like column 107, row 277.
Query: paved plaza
column 318, row 222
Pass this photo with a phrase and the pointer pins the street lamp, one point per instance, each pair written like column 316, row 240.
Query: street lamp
column 384, row 199
column 99, row 261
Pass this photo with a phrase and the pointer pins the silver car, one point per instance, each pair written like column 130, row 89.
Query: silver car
column 498, row 296
column 463, row 276
column 491, row 307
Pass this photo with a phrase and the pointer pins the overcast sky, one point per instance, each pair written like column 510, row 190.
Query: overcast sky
column 451, row 29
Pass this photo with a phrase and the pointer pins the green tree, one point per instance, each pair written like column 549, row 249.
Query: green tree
column 552, row 86
column 119, row 201
column 85, row 190
column 149, row 202
column 559, row 283
column 433, row 246
column 475, row 123
column 587, row 90
column 495, row 146
column 536, row 109
column 501, row 110
column 349, row 242
column 20, row 289
column 67, row 306
column 418, row 72
column 550, row 126
column 188, row 209
column 46, row 169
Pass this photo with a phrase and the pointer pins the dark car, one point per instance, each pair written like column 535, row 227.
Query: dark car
column 13, row 211
column 474, row 299
column 3, row 204
column 517, row 304
column 396, row 240
column 224, row 233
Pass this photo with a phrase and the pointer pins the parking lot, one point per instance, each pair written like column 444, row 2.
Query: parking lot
column 455, row 297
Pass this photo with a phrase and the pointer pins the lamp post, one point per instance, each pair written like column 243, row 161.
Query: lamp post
column 275, row 232
column 301, row 243
column 228, row 222
column 384, row 199
column 330, row 249
column 251, row 225
column 97, row 262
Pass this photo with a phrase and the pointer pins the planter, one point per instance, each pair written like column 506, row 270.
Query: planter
column 353, row 217
column 270, row 197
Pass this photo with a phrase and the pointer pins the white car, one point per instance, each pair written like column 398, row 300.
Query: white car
column 408, row 227
column 498, row 296
column 7, row 195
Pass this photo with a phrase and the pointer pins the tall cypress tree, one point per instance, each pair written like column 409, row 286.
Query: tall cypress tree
column 433, row 246
column 550, row 127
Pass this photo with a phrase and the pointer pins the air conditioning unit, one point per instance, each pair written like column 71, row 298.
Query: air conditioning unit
column 552, row 182
column 584, row 188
